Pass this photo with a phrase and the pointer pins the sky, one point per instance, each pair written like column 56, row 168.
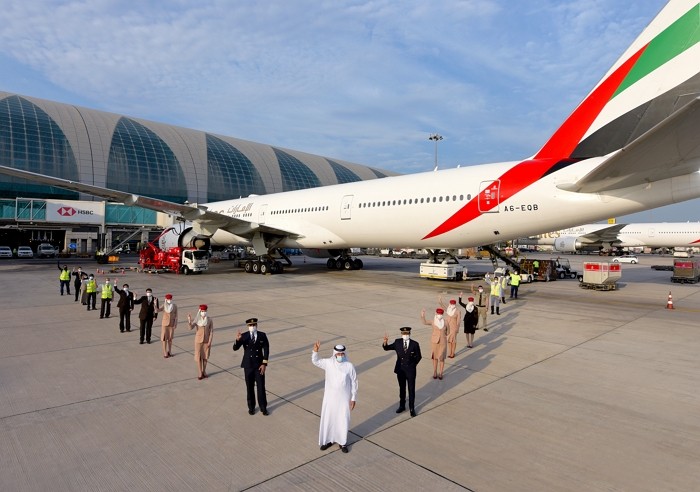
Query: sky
column 362, row 81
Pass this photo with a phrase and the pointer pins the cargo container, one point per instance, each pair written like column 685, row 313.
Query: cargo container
column 686, row 270
column 599, row 275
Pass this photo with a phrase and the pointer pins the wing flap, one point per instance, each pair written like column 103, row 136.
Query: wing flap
column 670, row 149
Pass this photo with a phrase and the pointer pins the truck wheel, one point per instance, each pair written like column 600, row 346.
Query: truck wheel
column 572, row 275
column 186, row 270
column 562, row 275
column 248, row 267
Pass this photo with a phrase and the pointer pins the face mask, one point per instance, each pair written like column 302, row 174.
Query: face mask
column 340, row 358
column 480, row 290
column 405, row 337
column 439, row 316
column 168, row 301
column 204, row 314
column 251, row 329
column 92, row 278
column 149, row 295
column 126, row 289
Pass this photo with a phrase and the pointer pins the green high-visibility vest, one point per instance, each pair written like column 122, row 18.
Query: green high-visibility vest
column 91, row 286
column 106, row 291
column 65, row 275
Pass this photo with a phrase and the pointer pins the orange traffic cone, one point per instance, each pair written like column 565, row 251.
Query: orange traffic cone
column 669, row 304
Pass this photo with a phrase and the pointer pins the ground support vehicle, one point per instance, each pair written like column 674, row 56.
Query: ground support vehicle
column 686, row 270
column 525, row 277
column 563, row 267
column 46, row 250
column 600, row 275
column 176, row 259
column 547, row 270
column 443, row 271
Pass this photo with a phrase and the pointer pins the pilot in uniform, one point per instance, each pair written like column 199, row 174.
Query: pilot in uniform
column 256, row 350
column 407, row 358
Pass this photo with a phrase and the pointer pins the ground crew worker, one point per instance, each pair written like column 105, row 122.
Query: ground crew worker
column 536, row 268
column 482, row 303
column 107, row 294
column 504, row 286
column 514, row 284
column 64, row 278
column 91, row 290
column 495, row 297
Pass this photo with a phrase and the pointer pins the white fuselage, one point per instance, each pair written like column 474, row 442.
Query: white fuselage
column 404, row 210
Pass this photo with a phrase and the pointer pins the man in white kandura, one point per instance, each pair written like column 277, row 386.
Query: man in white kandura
column 339, row 397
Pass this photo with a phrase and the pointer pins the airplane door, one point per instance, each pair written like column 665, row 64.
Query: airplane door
column 489, row 196
column 651, row 232
column 261, row 214
column 345, row 207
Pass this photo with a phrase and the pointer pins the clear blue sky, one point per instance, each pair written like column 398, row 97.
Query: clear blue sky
column 364, row 81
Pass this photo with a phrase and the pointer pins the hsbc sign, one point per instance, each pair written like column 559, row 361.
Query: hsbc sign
column 74, row 211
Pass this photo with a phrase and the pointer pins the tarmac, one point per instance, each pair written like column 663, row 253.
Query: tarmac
column 569, row 390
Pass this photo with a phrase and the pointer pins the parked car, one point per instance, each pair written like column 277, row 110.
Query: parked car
column 25, row 252
column 626, row 259
column 5, row 252
column 46, row 250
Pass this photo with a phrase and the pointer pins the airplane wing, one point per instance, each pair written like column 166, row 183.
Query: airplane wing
column 670, row 149
column 605, row 235
column 204, row 220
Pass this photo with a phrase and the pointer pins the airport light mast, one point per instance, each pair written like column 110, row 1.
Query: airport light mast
column 436, row 138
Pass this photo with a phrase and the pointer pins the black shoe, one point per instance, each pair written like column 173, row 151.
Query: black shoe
column 486, row 329
column 101, row 317
column 148, row 341
column 141, row 342
column 250, row 412
column 326, row 446
column 128, row 330
column 413, row 413
column 264, row 412
column 344, row 449
column 121, row 331
column 401, row 409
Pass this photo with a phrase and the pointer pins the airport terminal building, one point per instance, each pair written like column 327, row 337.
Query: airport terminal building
column 139, row 156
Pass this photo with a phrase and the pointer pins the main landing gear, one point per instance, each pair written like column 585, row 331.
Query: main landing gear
column 263, row 265
column 344, row 262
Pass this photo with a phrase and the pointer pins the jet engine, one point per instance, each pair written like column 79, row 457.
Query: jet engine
column 183, row 236
column 568, row 244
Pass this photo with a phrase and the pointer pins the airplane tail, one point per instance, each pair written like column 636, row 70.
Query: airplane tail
column 657, row 75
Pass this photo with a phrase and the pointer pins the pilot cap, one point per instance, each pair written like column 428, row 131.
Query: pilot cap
column 405, row 330
column 251, row 321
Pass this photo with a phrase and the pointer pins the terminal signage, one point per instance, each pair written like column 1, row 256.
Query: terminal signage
column 72, row 212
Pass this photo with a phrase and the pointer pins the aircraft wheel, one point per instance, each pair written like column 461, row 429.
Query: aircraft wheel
column 330, row 263
column 248, row 267
column 256, row 267
column 339, row 264
column 348, row 264
column 358, row 264
column 264, row 268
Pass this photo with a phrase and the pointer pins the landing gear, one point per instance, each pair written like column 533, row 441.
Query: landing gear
column 263, row 266
column 344, row 262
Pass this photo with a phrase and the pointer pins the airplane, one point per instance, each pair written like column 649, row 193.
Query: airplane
column 605, row 237
column 631, row 145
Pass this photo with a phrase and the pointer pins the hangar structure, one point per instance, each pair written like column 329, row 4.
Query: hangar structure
column 146, row 158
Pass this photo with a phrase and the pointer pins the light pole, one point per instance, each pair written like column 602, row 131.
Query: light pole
column 436, row 138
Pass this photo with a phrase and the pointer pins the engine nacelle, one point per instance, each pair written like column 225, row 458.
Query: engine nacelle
column 182, row 236
column 567, row 244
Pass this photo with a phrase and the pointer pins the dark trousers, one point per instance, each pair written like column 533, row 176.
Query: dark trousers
column 92, row 300
column 404, row 381
column 145, row 326
column 66, row 284
column 76, row 287
column 124, row 319
column 254, row 378
column 104, row 307
column 514, row 291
